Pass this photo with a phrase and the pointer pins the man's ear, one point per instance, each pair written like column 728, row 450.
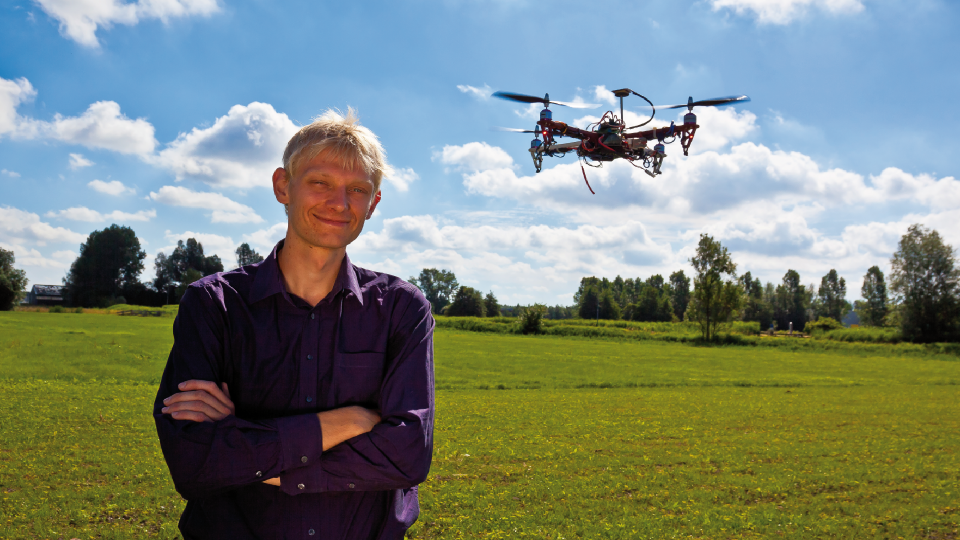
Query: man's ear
column 376, row 201
column 281, row 185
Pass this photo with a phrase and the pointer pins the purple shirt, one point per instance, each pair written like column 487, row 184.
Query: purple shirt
column 368, row 343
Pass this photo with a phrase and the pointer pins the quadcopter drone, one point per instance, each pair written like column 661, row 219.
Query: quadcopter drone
column 610, row 138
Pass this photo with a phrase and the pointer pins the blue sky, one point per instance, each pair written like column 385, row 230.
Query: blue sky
column 168, row 116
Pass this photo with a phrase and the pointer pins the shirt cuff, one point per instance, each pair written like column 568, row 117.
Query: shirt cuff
column 301, row 443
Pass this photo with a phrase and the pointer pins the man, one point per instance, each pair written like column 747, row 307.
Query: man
column 297, row 401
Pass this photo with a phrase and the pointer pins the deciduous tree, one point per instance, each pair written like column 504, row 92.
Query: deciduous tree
column 437, row 286
column 246, row 255
column 491, row 306
column 680, row 293
column 467, row 302
column 873, row 308
column 832, row 296
column 715, row 299
column 13, row 281
column 924, row 279
column 109, row 260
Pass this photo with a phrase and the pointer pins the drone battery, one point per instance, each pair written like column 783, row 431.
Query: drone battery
column 689, row 119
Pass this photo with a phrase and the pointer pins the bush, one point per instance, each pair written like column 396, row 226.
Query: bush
column 78, row 310
column 530, row 320
column 56, row 309
column 824, row 324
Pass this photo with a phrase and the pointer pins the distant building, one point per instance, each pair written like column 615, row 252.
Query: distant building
column 45, row 295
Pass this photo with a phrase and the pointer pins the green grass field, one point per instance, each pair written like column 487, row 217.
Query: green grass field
column 539, row 437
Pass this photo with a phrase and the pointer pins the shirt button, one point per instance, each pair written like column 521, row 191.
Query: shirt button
column 311, row 532
column 259, row 474
column 351, row 486
column 309, row 357
column 303, row 459
column 311, row 316
column 309, row 399
column 300, row 486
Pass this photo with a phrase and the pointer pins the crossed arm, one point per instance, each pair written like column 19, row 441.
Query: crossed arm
column 203, row 401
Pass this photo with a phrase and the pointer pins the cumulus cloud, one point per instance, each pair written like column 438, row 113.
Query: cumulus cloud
column 102, row 125
column 481, row 93
column 12, row 94
column 11, row 174
column 785, row 11
column 474, row 156
column 113, row 187
column 25, row 228
column 402, row 178
column 241, row 149
column 77, row 161
column 224, row 209
column 82, row 213
column 213, row 244
column 79, row 21
column 264, row 239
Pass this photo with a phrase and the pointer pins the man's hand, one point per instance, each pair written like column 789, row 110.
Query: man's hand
column 199, row 401
column 338, row 425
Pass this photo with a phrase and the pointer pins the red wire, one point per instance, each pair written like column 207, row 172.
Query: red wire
column 584, row 171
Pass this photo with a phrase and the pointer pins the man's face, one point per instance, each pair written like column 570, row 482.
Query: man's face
column 327, row 203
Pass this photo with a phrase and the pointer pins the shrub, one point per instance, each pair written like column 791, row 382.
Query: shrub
column 56, row 309
column 78, row 310
column 530, row 320
column 824, row 324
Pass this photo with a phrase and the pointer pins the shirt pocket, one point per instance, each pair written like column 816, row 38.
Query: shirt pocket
column 359, row 377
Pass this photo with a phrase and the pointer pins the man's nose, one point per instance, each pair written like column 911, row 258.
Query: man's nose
column 337, row 201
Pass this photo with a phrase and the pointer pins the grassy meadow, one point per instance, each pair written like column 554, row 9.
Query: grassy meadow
column 537, row 436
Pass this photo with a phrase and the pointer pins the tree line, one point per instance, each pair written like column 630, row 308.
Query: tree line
column 107, row 271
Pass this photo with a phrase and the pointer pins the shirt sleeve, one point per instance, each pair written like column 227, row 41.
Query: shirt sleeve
column 206, row 458
column 397, row 453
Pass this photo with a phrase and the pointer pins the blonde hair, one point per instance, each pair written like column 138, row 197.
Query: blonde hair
column 344, row 141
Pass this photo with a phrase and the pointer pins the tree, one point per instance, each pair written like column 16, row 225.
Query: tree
column 491, row 306
column 437, row 286
column 873, row 308
column 609, row 308
column 588, row 299
column 246, row 255
column 924, row 279
column 109, row 260
column 791, row 302
column 714, row 299
column 680, row 293
column 171, row 271
column 13, row 281
column 832, row 296
column 190, row 276
column 754, row 308
column 468, row 302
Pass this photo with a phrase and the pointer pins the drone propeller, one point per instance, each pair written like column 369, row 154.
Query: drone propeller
column 516, row 130
column 523, row 98
column 715, row 102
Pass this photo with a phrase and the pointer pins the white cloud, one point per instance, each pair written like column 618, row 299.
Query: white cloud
column 12, row 94
column 19, row 227
column 79, row 21
column 240, row 150
column 785, row 11
column 224, row 209
column 264, row 239
column 402, row 178
column 474, row 156
column 82, row 213
column 483, row 93
column 113, row 187
column 11, row 174
column 102, row 125
column 77, row 161
column 213, row 244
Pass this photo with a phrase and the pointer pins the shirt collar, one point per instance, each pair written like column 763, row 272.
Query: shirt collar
column 268, row 282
